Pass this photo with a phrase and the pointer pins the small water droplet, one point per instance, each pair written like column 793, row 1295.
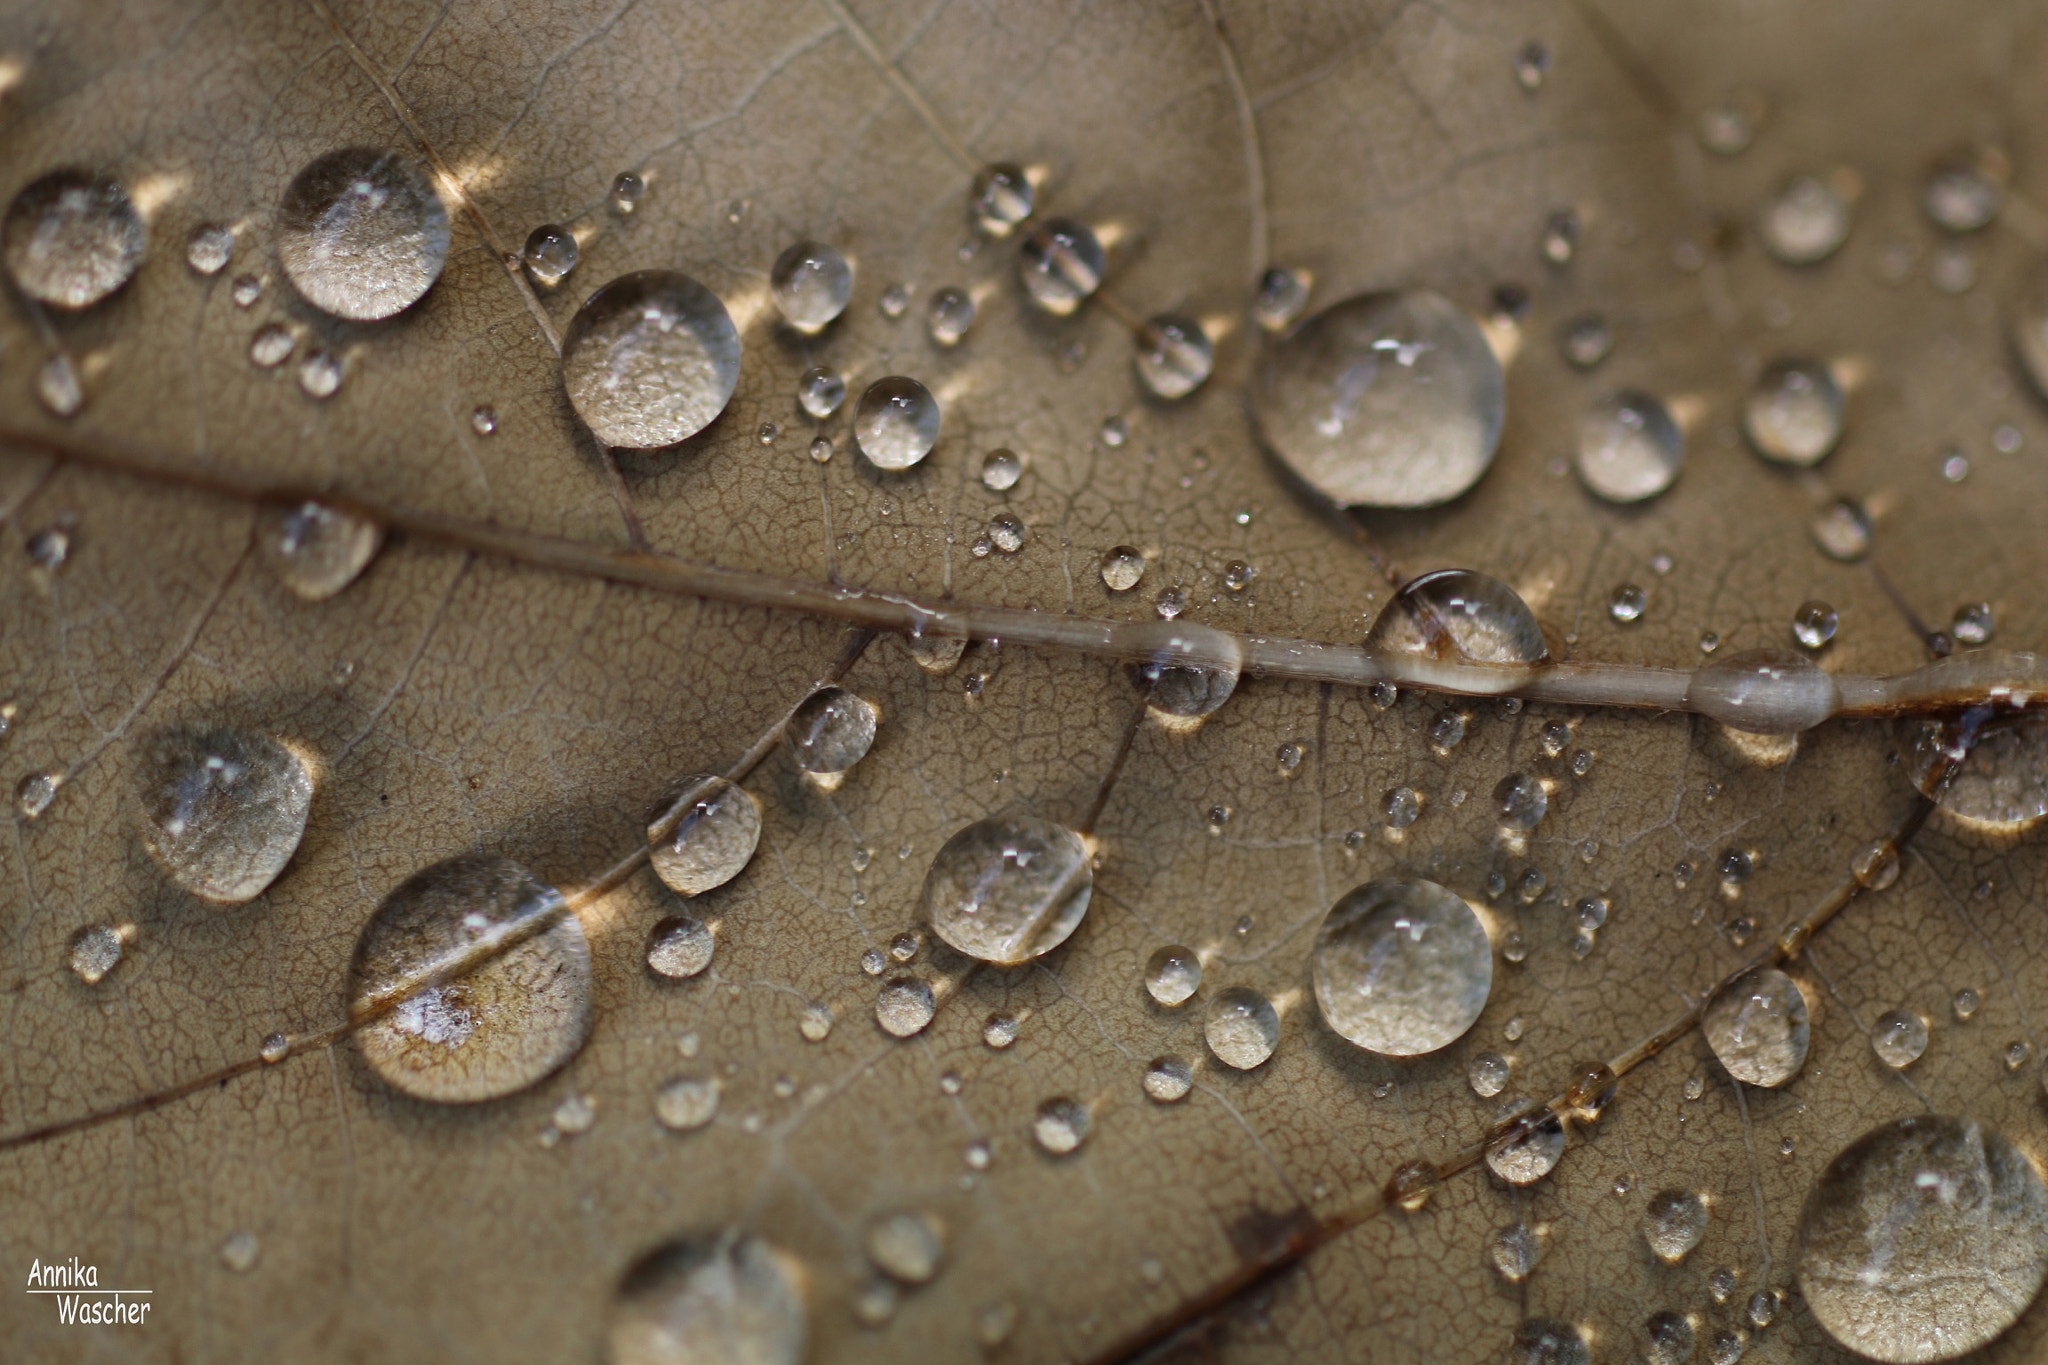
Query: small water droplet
column 1173, row 974
column 811, row 283
column 1521, row 802
column 240, row 1252
column 209, row 249
column 627, row 190
column 999, row 1030
column 1814, row 624
column 820, row 391
column 223, row 810
column 246, row 291
column 361, row 233
column 1547, row 1341
column 1757, row 1027
column 1000, row 470
column 1964, row 1004
column 1674, row 1222
column 1804, row 222
column 1875, row 865
column 1899, row 1038
column 1793, row 415
column 319, row 374
column 2016, row 1054
column 710, row 841
column 1966, row 190
column 896, row 423
column 1000, row 199
column 271, row 345
column 71, row 238
column 317, row 550
column 1402, row 806
column 1532, row 64
column 1242, row 1028
column 1972, row 624
column 907, row 1247
column 1629, row 447
column 95, row 951
column 1514, row 1252
column 1006, row 532
column 551, row 252
column 1528, row 1142
column 1168, row 1080
column 830, row 731
column 1489, row 1074
column 274, row 1049
column 1174, row 356
column 1843, row 531
column 483, row 420
column 1061, row 263
column 1672, row 1339
column 905, row 1006
column 1561, row 236
column 679, row 947
column 1586, row 340
column 686, row 1103
column 1122, row 567
column 949, row 315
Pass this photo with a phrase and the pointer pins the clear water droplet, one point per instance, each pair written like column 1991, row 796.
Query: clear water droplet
column 246, row 291
column 1122, row 567
column 71, row 238
column 240, row 1252
column 1814, row 624
column 710, row 841
column 1764, row 692
column 317, row 550
column 1875, row 865
column 274, row 1049
column 1548, row 1341
column 896, row 423
column 1528, row 1144
column 58, row 387
column 483, row 420
column 1061, row 1125
column 1402, row 807
column 1629, row 447
column 223, row 810
column 1402, row 967
column 1061, row 263
column 1168, row 1080
column 820, row 391
column 949, row 315
column 1532, row 64
column 1627, row 603
column 1965, row 190
column 1173, row 974
column 1008, row 889
column 1006, row 532
column 1672, row 1339
column 650, row 359
column 1964, row 1005
column 723, row 1298
column 1521, row 802
column 1673, row 1224
column 1281, row 297
column 1899, row 1038
column 1586, row 340
column 1242, row 1028
column 999, row 1030
column 1383, row 400
column 1411, row 1185
column 2002, row 781
column 627, row 190
column 271, row 345
column 679, row 946
column 49, row 548
column 907, row 1247
column 1804, row 222
column 1793, row 415
column 35, row 792
column 1972, row 624
column 1001, row 198
column 686, row 1103
column 1489, row 1074
column 1561, row 236
column 320, row 374
column 1192, row 672
column 821, row 450
column 209, row 249
column 1757, row 1027
column 1514, row 1252
column 830, row 731
column 1446, row 733
column 1174, row 356
column 905, row 1006
column 551, row 252
column 1842, row 531
column 361, row 233
column 511, row 999
column 1459, row 616
column 95, row 951
column 811, row 283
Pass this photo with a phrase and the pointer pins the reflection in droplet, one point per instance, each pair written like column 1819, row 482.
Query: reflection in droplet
column 1001, row 198
column 650, row 359
column 680, row 946
column 1764, row 692
column 627, row 190
column 362, row 233
column 723, row 1299
column 1122, row 567
column 905, row 1006
column 1281, row 297
column 897, row 422
column 317, row 550
column 1174, row 356
column 1673, row 1224
column 1561, row 236
column 1173, row 974
column 1793, row 415
column 830, row 731
column 711, row 841
column 1384, row 400
column 1627, row 603
column 223, row 810
column 1177, row 687
column 1672, row 1339
column 1060, row 262
column 949, row 315
column 95, row 951
column 1547, row 1341
column 551, row 252
column 1456, row 615
column 1402, row 967
column 482, row 978
column 1521, row 802
column 1804, row 222
column 71, row 238
column 1899, row 1038
column 1242, row 1028
column 1972, row 624
column 1629, row 447
column 820, row 391
column 1009, row 888
column 1061, row 1125
column 1925, row 1238
column 1757, row 1027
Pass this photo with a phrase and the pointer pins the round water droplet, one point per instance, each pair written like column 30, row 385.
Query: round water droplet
column 1529, row 1143
column 1176, row 685
column 1547, row 1341
column 907, row 1247
column 1561, row 236
column 1402, row 807
column 1520, row 802
column 274, row 1049
column 1174, row 356
column 1514, row 1251
column 1972, row 624
column 650, row 359
column 1122, row 567
column 1965, row 190
column 1804, row 222
column 1586, row 340
column 820, row 391
column 1899, row 1038
column 1173, row 974
column 718, row 1299
column 830, row 731
column 1061, row 1125
column 1281, row 297
column 710, row 841
column 1627, row 603
column 1006, row 532
column 905, row 1006
column 1674, row 1223
column 1964, row 1005
column 1411, row 1185
column 1532, row 64
column 627, row 190
column 483, row 420
column 1814, row 624
column 35, row 792
column 1842, row 531
column 319, row 374
column 1925, row 1238
column 811, row 283
column 1242, row 1028
column 686, row 1103
column 95, row 951
column 1060, row 262
column 1009, row 888
column 240, row 1252
column 551, row 253
column 209, row 249
column 896, row 423
column 58, row 387
column 1000, row 198
column 271, row 346
column 223, row 810
column 2004, row 779
column 72, row 238
column 1446, row 733
column 821, row 450
column 317, row 550
column 361, row 233
column 1757, row 1027
column 949, row 316
column 1402, row 967
column 680, row 946
column 1629, row 448
column 1793, row 415
column 1168, row 1080
column 815, row 1024
column 1384, row 400
column 1489, row 1074
column 1672, row 1339
column 1875, row 865
column 1459, row 616
column 478, row 1000
column 1000, row 470
column 1764, row 692
column 999, row 1030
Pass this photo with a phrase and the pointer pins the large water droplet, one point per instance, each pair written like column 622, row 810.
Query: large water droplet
column 222, row 810
column 896, row 423
column 1764, row 692
column 1001, row 198
column 650, row 359
column 1009, row 888
column 1175, row 356
column 1629, row 448
column 1459, row 616
column 725, row 1299
column 1757, row 1027
column 2002, row 781
column 905, row 1005
column 711, row 841
column 1925, row 1238
column 1804, row 222
column 72, row 238
column 1402, row 967
column 362, row 233
column 1242, row 1028
column 1384, row 400
column 830, row 731
column 1061, row 264
column 1793, row 414
column 317, row 550
column 1674, row 1223
column 1173, row 974
column 811, row 283
column 483, row 977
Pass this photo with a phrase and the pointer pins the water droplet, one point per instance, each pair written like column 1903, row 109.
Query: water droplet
column 1547, row 1341
column 1875, row 865
column 716, row 1299
column 1763, row 692
column 246, row 291
column 949, row 315
column 1532, row 64
column 95, row 951
column 317, row 550
column 1514, row 1251
column 1899, row 1038
column 1842, row 530
column 1459, row 616
column 1964, row 1005
column 999, row 1030
column 575, row 1114
column 222, row 810
column 820, row 392
column 710, row 841
column 1446, row 733
column 811, row 283
column 1006, row 532
column 1586, row 340
column 1009, row 888
column 1629, row 448
column 1000, row 470
column 650, row 359
column 240, row 1251
column 1672, row 1339
column 1384, row 400
column 1176, row 685
column 319, row 374
column 1757, row 1027
column 209, row 249
column 1520, row 802
column 1061, row 1125
column 58, row 387
column 1281, row 297
column 71, row 238
column 1168, row 1079
column 1170, row 603
column 1529, row 1140
column 905, row 1006
column 1561, row 236
column 686, row 1103
column 1174, row 356
column 627, row 190
column 1242, row 1028
column 907, row 1247
column 1793, row 415
column 1000, row 199
column 830, row 731
column 2016, row 1054
column 1402, row 967
column 897, row 422
column 1966, row 190
column 36, row 791
column 875, row 1303
column 1173, row 974
column 361, row 233
column 1804, row 222
column 1122, row 567
column 1402, row 806
column 1674, row 1223
column 271, row 346
column 1972, row 624
column 1627, row 603
column 512, row 1000
column 1060, row 262
column 2002, row 781
column 551, row 253
column 680, row 946
column 1814, row 624
column 483, row 420
column 1924, row 1239
column 1489, row 1073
